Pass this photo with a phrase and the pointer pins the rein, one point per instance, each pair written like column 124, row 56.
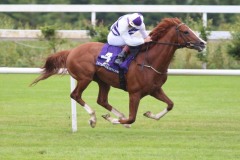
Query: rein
column 147, row 66
column 168, row 43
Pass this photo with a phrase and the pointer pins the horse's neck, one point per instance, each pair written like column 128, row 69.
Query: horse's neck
column 161, row 55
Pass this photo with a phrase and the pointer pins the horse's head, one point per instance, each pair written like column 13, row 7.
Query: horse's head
column 171, row 31
column 187, row 38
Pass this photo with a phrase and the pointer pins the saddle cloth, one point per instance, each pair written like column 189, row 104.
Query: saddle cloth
column 107, row 57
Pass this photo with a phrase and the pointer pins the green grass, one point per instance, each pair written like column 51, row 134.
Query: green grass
column 35, row 122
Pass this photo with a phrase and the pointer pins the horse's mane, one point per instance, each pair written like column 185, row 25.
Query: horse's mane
column 160, row 30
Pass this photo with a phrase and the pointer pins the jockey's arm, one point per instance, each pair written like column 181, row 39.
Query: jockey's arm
column 129, row 40
column 132, row 40
column 144, row 34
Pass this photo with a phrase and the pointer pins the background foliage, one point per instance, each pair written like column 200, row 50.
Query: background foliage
column 33, row 53
column 234, row 48
column 36, row 19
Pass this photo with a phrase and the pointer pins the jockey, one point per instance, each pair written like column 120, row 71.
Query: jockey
column 121, row 34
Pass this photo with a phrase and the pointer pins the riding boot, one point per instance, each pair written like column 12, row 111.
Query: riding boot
column 121, row 56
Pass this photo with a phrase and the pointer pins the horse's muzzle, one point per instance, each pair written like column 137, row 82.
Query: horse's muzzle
column 201, row 46
column 198, row 46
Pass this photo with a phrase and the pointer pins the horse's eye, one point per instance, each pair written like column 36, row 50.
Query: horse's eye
column 186, row 32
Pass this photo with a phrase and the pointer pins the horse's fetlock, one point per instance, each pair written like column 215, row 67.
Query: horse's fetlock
column 93, row 113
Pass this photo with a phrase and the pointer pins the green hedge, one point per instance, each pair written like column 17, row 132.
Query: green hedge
column 219, row 55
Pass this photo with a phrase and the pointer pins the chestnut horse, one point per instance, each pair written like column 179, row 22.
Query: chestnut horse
column 146, row 74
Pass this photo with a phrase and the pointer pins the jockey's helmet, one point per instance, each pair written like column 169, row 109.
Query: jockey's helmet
column 135, row 20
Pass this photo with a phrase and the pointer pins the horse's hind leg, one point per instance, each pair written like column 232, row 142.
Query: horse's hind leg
column 103, row 101
column 77, row 96
column 160, row 95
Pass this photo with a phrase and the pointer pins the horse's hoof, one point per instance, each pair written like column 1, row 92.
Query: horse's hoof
column 147, row 114
column 106, row 116
column 92, row 123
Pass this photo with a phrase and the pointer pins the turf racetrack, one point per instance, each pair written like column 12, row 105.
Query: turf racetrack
column 35, row 122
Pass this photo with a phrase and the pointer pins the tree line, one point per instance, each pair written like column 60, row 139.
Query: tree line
column 80, row 20
column 13, row 54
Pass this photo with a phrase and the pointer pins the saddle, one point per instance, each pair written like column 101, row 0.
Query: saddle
column 107, row 57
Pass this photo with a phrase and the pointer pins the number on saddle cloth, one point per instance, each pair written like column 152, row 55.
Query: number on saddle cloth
column 108, row 55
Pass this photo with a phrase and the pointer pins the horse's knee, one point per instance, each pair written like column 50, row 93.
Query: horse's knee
column 104, row 103
column 77, row 98
column 170, row 106
column 101, row 102
column 131, row 120
column 73, row 96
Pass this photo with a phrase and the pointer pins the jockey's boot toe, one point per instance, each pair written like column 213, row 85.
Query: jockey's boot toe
column 118, row 61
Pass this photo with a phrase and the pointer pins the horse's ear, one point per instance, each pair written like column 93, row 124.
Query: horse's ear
column 177, row 20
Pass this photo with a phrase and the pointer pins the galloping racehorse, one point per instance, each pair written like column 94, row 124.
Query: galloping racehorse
column 146, row 74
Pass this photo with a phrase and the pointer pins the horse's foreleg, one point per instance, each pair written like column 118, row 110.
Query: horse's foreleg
column 103, row 101
column 77, row 96
column 120, row 116
column 159, row 94
column 133, row 107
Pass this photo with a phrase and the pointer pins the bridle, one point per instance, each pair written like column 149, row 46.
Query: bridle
column 179, row 45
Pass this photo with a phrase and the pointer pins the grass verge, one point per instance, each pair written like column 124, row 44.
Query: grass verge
column 35, row 122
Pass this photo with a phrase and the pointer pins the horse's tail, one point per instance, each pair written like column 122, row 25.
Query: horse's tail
column 53, row 65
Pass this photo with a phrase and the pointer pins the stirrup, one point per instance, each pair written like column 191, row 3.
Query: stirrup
column 118, row 60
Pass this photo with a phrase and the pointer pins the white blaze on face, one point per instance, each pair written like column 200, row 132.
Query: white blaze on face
column 198, row 36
